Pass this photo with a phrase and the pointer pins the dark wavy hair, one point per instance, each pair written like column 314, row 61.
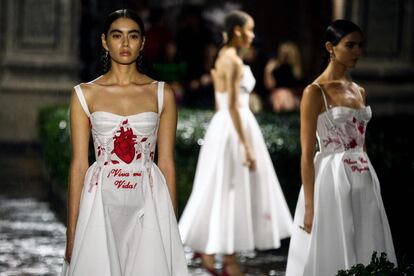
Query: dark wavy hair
column 334, row 33
column 233, row 19
column 124, row 13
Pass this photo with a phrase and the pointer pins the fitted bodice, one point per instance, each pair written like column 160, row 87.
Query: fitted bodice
column 247, row 84
column 124, row 140
column 342, row 128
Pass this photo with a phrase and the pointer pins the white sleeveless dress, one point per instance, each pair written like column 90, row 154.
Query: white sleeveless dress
column 232, row 209
column 349, row 218
column 126, row 224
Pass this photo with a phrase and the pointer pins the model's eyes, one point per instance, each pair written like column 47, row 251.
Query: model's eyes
column 352, row 45
column 115, row 35
column 134, row 36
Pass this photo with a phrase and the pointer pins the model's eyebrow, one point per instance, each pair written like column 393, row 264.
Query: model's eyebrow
column 129, row 32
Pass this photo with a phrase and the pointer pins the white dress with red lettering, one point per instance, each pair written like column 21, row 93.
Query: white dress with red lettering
column 349, row 217
column 126, row 224
column 231, row 208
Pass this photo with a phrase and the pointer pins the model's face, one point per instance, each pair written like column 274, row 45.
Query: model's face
column 124, row 40
column 348, row 50
column 247, row 33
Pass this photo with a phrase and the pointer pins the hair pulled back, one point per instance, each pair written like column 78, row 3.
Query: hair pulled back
column 334, row 33
column 232, row 20
column 124, row 13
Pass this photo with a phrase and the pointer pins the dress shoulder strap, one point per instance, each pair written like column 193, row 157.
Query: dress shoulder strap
column 82, row 100
column 160, row 96
column 359, row 91
column 323, row 94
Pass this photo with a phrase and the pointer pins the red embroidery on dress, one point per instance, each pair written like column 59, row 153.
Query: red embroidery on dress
column 355, row 167
column 124, row 144
column 359, row 169
column 352, row 144
column 94, row 181
column 349, row 161
column 123, row 184
column 330, row 140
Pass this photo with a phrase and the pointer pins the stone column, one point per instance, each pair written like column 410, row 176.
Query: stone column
column 387, row 67
column 39, row 62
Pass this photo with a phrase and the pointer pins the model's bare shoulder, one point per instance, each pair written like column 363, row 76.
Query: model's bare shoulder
column 168, row 91
column 89, row 90
column 312, row 90
column 312, row 94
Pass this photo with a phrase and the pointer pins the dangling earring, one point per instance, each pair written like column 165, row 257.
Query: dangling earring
column 105, row 61
column 331, row 56
column 139, row 59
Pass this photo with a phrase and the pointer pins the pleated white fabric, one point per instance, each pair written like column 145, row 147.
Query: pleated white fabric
column 126, row 224
column 349, row 217
column 232, row 209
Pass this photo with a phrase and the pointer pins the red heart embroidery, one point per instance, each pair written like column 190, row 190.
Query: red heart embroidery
column 124, row 145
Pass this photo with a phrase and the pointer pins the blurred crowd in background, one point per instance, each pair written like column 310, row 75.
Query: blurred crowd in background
column 180, row 49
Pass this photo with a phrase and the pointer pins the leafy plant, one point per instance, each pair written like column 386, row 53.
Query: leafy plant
column 379, row 266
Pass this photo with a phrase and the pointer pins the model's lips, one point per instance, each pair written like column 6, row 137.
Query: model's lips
column 125, row 53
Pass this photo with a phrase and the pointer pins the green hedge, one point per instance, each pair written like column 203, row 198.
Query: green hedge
column 379, row 266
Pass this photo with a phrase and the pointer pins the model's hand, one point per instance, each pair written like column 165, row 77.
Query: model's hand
column 308, row 220
column 250, row 160
column 68, row 252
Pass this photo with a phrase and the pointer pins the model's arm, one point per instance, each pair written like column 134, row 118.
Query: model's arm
column 166, row 142
column 309, row 110
column 214, row 79
column 363, row 95
column 79, row 128
column 233, row 74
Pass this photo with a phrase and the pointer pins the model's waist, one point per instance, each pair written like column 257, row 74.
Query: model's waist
column 341, row 150
column 135, row 164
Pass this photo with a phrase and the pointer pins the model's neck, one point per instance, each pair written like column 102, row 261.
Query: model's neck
column 335, row 71
column 123, row 74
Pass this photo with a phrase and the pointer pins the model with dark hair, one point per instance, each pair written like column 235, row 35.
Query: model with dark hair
column 121, row 209
column 236, row 203
column 340, row 218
